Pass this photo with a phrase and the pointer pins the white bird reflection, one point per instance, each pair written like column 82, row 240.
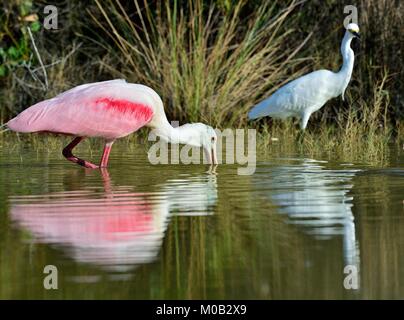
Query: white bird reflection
column 317, row 199
column 115, row 229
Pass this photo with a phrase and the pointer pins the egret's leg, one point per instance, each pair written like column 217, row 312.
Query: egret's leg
column 303, row 125
column 300, row 136
column 305, row 119
column 105, row 155
column 67, row 153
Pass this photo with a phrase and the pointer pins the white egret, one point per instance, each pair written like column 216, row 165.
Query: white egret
column 307, row 94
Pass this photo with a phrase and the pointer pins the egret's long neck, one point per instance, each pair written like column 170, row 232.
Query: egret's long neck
column 348, row 56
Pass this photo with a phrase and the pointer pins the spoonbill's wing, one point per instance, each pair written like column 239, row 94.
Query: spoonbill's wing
column 109, row 109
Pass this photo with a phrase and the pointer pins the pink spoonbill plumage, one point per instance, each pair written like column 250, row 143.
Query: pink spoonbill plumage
column 109, row 110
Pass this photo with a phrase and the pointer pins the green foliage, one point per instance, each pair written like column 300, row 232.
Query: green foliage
column 15, row 47
column 207, row 65
column 211, row 61
column 35, row 26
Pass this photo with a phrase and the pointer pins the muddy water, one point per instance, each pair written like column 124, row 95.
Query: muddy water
column 174, row 231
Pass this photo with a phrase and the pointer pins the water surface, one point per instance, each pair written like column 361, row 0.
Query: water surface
column 179, row 231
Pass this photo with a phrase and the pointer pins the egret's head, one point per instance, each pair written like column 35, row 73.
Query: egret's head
column 353, row 28
column 202, row 135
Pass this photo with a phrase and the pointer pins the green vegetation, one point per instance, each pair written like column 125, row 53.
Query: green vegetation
column 211, row 61
column 15, row 49
column 207, row 65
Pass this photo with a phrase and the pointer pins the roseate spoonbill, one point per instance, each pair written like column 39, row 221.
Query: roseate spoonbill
column 109, row 110
column 307, row 94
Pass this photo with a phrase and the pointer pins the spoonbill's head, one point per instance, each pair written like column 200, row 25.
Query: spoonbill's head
column 209, row 138
column 203, row 136
column 353, row 29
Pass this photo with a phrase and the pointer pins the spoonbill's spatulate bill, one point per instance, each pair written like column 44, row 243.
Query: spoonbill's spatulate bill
column 307, row 94
column 109, row 110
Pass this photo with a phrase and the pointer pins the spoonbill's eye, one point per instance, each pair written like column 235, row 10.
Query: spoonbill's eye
column 213, row 139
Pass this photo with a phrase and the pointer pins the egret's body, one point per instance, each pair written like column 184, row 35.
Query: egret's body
column 109, row 110
column 307, row 94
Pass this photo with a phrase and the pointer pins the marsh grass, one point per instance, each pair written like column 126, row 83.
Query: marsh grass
column 212, row 66
column 361, row 133
column 358, row 134
column 212, row 62
column 205, row 64
column 24, row 90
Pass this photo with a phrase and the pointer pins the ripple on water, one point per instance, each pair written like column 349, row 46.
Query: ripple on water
column 293, row 217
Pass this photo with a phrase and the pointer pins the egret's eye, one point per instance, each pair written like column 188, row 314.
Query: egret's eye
column 213, row 139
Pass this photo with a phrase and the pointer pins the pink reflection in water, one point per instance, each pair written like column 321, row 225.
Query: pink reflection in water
column 117, row 228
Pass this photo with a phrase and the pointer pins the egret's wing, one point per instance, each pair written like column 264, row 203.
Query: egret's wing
column 276, row 104
column 314, row 89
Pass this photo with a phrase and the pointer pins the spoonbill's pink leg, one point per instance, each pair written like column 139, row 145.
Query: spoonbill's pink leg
column 67, row 152
column 107, row 182
column 105, row 155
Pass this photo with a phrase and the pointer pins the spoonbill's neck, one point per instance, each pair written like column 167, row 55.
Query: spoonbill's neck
column 171, row 134
column 348, row 57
